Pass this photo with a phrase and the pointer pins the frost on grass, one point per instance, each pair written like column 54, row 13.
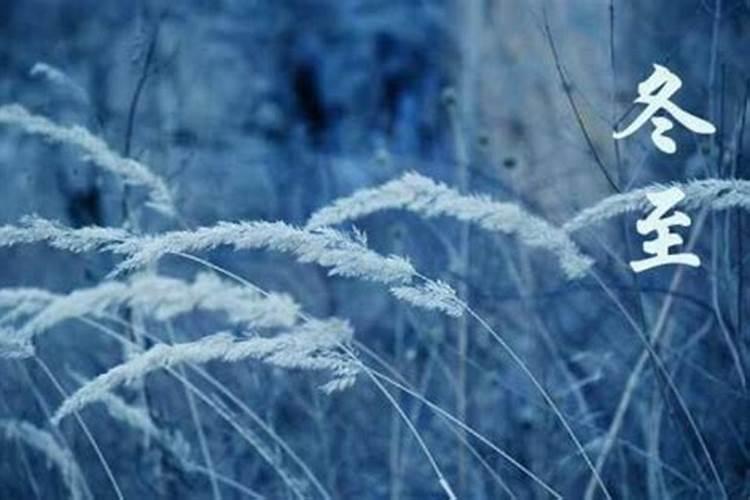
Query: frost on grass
column 44, row 443
column 432, row 295
column 34, row 229
column 428, row 198
column 17, row 304
column 714, row 194
column 96, row 151
column 57, row 77
column 159, row 297
column 139, row 419
column 165, row 298
column 341, row 254
column 313, row 345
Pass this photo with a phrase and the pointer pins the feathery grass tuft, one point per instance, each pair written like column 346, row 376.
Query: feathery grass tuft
column 432, row 295
column 45, row 443
column 428, row 198
column 159, row 297
column 716, row 194
column 58, row 78
column 97, row 152
column 139, row 419
column 33, row 229
column 310, row 346
column 343, row 255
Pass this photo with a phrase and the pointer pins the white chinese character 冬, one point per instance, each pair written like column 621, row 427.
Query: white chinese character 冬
column 656, row 221
column 655, row 93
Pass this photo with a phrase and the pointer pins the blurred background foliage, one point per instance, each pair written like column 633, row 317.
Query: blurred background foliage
column 259, row 109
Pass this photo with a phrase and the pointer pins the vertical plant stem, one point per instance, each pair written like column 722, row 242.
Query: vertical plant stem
column 139, row 86
column 545, row 395
column 652, row 429
column 48, row 415
column 661, row 370
column 463, row 123
column 196, row 417
column 441, row 478
column 440, row 411
column 739, row 146
column 85, row 429
column 395, row 460
column 574, row 107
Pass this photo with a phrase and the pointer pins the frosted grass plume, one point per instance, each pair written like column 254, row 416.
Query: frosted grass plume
column 17, row 304
column 310, row 346
column 431, row 295
column 139, row 419
column 33, row 229
column 428, row 198
column 43, row 442
column 58, row 78
column 342, row 254
column 345, row 256
column 96, row 151
column 715, row 194
column 160, row 297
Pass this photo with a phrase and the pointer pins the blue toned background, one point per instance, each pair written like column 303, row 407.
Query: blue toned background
column 263, row 109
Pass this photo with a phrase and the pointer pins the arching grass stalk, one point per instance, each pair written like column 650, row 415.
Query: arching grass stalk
column 542, row 391
column 441, row 478
column 548, row 399
column 194, row 415
column 545, row 395
column 208, row 378
column 614, row 205
column 459, row 433
column 227, row 481
column 465, row 427
column 42, row 402
column 433, row 463
column 670, row 382
column 210, row 403
column 84, row 427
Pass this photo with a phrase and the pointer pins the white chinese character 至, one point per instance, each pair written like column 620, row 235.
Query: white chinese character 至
column 655, row 93
column 656, row 221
